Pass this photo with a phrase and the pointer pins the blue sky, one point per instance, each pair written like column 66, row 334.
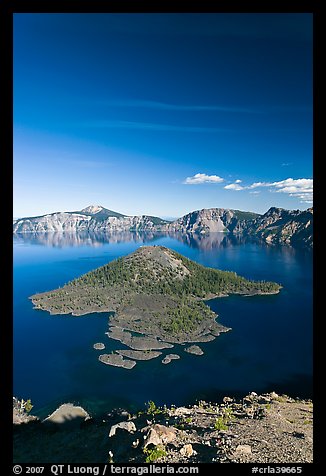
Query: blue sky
column 162, row 114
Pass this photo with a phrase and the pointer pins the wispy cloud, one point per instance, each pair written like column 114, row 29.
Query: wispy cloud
column 286, row 164
column 259, row 184
column 164, row 106
column 202, row 178
column 145, row 104
column 150, row 126
column 299, row 188
column 234, row 186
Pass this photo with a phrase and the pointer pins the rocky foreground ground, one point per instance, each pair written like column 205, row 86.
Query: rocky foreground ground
column 265, row 428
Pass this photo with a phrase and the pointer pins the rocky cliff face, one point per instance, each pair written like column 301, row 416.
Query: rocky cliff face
column 53, row 222
column 93, row 218
column 294, row 227
column 277, row 225
column 211, row 220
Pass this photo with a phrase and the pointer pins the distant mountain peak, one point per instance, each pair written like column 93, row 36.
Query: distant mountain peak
column 92, row 209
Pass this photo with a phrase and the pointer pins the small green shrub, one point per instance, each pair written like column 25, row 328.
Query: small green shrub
column 227, row 414
column 28, row 405
column 201, row 404
column 152, row 409
column 153, row 454
column 282, row 398
column 219, row 424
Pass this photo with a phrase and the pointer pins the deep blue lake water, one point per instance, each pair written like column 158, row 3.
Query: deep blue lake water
column 269, row 347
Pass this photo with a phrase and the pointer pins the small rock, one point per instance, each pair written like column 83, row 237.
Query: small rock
column 243, row 450
column 247, row 400
column 135, row 443
column 263, row 399
column 180, row 411
column 273, row 395
column 187, row 450
column 227, row 400
column 240, row 414
column 159, row 435
column 124, row 425
column 228, row 434
column 253, row 394
column 297, row 434
column 260, row 413
column 249, row 412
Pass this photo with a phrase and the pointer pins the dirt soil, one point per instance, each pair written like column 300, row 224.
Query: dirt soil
column 265, row 428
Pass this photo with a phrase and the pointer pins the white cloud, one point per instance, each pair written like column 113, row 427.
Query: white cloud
column 234, row 186
column 259, row 184
column 238, row 181
column 203, row 178
column 299, row 184
column 299, row 188
column 255, row 192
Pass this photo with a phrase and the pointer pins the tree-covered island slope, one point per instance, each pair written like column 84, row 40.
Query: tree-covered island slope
column 155, row 292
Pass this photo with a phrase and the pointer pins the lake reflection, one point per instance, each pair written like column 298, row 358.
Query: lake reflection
column 207, row 241
column 83, row 238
